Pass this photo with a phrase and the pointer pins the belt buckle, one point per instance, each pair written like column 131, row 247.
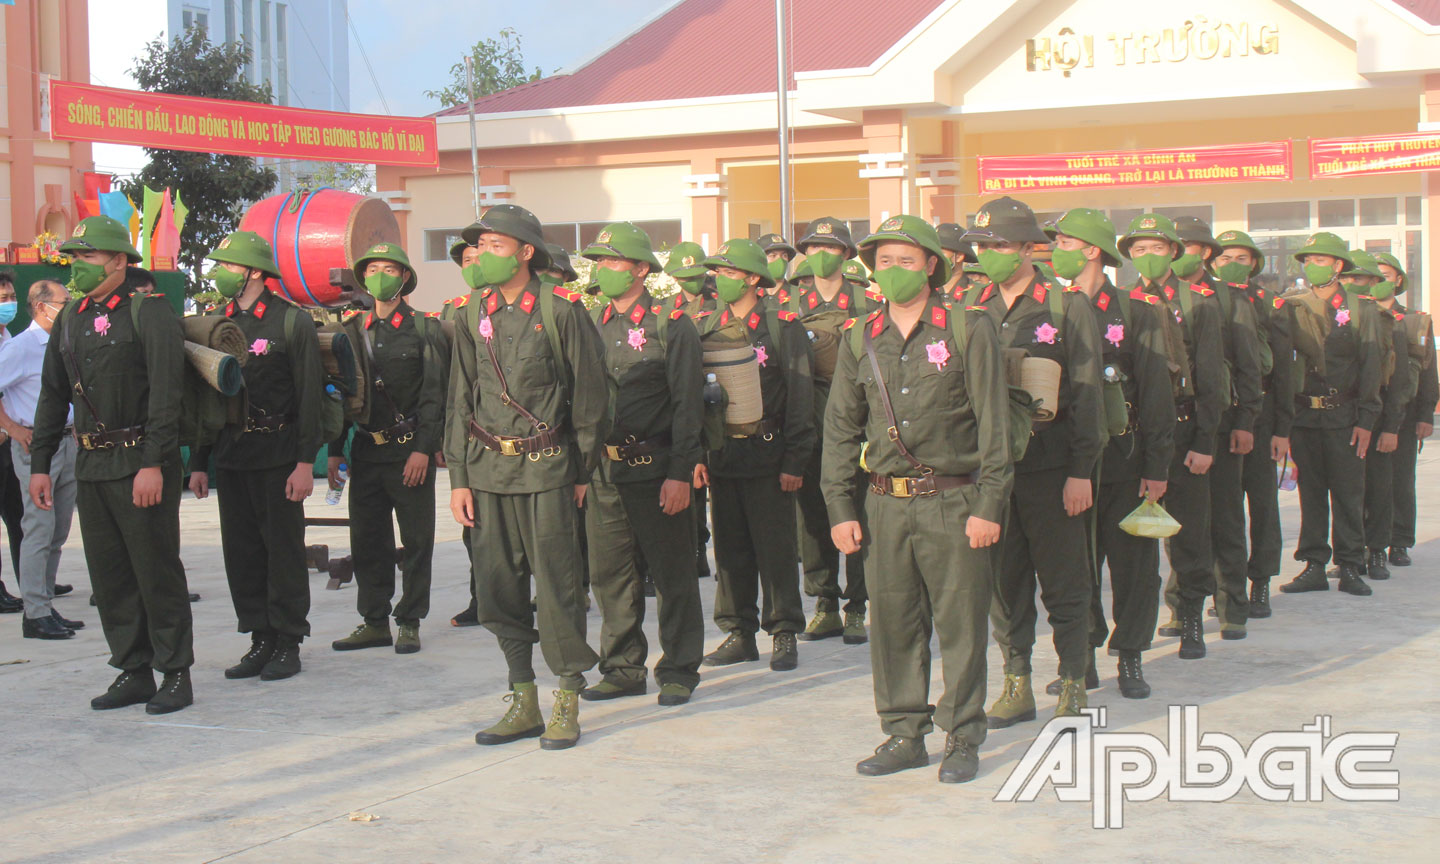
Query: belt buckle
column 508, row 447
column 134, row 442
column 1317, row 403
column 379, row 437
column 612, row 452
column 900, row 487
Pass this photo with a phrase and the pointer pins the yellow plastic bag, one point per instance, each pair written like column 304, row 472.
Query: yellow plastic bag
column 1150, row 520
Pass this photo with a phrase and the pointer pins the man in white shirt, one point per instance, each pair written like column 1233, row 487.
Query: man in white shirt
column 11, row 509
column 21, row 358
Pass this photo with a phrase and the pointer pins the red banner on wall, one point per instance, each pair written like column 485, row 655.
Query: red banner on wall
column 1229, row 163
column 82, row 112
column 1374, row 154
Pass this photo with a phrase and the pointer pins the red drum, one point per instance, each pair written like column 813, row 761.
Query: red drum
column 312, row 232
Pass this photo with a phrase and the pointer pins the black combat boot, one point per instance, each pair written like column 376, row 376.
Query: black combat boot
column 285, row 662
column 1131, row 680
column 128, row 688
column 262, row 645
column 1378, row 569
column 1192, row 635
column 1260, row 598
column 174, row 694
column 1312, row 578
column 1351, row 583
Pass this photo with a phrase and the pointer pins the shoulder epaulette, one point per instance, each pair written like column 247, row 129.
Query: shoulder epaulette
column 1399, row 316
column 1138, row 293
column 457, row 302
column 977, row 309
column 787, row 316
column 849, row 322
column 1201, row 289
column 782, row 295
column 566, row 294
column 873, row 315
column 677, row 314
column 350, row 316
column 432, row 314
column 874, row 296
column 1279, row 302
column 703, row 312
column 157, row 294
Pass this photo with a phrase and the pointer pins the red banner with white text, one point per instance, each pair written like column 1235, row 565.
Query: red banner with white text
column 1374, row 154
column 1229, row 163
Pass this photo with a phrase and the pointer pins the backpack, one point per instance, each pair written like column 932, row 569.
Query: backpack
column 824, row 330
column 332, row 402
column 1187, row 307
column 1177, row 357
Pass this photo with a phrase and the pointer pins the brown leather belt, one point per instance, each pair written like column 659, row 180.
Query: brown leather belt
column 401, row 432
column 267, row 423
column 543, row 443
column 109, row 439
column 632, row 449
column 1328, row 402
column 768, row 427
column 914, row 487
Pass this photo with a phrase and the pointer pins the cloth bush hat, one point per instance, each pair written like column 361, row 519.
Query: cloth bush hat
column 245, row 248
column 745, row 255
column 1325, row 243
column 512, row 220
column 1387, row 258
column 950, row 234
column 916, row 232
column 855, row 273
column 623, row 240
column 1005, row 220
column 770, row 242
column 1091, row 226
column 1362, row 264
column 1150, row 225
column 1194, row 230
column 1241, row 240
column 828, row 229
column 387, row 252
column 560, row 260
column 687, row 261
column 103, row 234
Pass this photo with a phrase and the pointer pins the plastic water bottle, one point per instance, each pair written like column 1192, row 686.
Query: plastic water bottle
column 332, row 392
column 333, row 496
column 713, row 393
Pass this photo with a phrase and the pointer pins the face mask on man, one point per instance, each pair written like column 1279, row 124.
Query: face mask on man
column 899, row 285
column 7, row 311
column 729, row 289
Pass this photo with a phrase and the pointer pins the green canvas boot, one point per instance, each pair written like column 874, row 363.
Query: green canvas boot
column 1092, row 678
column 1016, row 703
column 826, row 624
column 367, row 635
column 563, row 730
column 1170, row 629
column 674, row 694
column 1072, row 697
column 409, row 641
column 855, row 628
column 737, row 648
column 960, row 763
column 898, row 753
column 522, row 720
column 1232, row 631
column 609, row 688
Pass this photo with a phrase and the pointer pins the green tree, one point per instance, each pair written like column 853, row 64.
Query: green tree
column 499, row 65
column 215, row 187
column 345, row 176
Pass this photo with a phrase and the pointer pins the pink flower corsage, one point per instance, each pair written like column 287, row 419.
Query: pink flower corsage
column 102, row 325
column 1046, row 333
column 1342, row 317
column 260, row 347
column 637, row 338
column 1115, row 334
column 937, row 353
column 487, row 330
column 760, row 355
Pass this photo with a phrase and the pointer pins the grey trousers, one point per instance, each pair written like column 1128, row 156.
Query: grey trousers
column 45, row 530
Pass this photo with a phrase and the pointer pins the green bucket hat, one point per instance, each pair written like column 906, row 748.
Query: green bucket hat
column 515, row 221
column 687, row 261
column 1241, row 240
column 950, row 234
column 1362, row 264
column 916, row 232
column 560, row 260
column 1091, row 226
column 387, row 252
column 745, row 255
column 1150, row 225
column 1325, row 243
column 828, row 229
column 102, row 234
column 623, row 240
column 245, row 248
column 770, row 242
column 1191, row 229
column 856, row 274
column 1008, row 220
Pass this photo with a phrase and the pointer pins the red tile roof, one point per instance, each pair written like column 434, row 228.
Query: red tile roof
column 702, row 48
column 1426, row 10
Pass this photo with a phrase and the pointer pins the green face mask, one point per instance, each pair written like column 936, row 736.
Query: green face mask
column 472, row 276
column 824, row 264
column 383, row 286
column 693, row 287
column 1068, row 263
column 777, row 268
column 548, row 278
column 1233, row 272
column 497, row 270
column 86, row 277
column 1382, row 290
column 1317, row 275
column 613, row 283
column 1186, row 266
column 227, row 282
column 1151, row 266
column 729, row 290
column 999, row 266
column 899, row 285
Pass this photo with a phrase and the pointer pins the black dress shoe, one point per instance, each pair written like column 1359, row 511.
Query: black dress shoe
column 1399, row 556
column 44, row 628
column 194, row 598
column 62, row 590
column 67, row 623
column 10, row 604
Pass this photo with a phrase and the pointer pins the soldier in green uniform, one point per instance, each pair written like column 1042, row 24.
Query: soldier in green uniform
column 958, row 253
column 1419, row 420
column 264, row 467
column 778, row 255
column 1152, row 246
column 391, row 468
column 1140, row 418
column 687, row 267
column 526, row 419
column 561, row 271
column 924, row 383
column 121, row 361
column 856, row 275
column 1047, row 535
column 753, row 476
column 639, row 500
column 464, row 255
column 1337, row 346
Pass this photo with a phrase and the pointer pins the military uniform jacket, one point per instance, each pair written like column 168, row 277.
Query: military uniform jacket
column 807, row 302
column 787, row 387
column 656, row 389
column 414, row 368
column 951, row 410
column 1074, row 439
column 1420, row 342
column 1397, row 393
column 1204, row 340
column 690, row 305
column 1352, row 362
column 568, row 392
column 1277, row 410
column 1241, row 334
column 1132, row 342
column 133, row 378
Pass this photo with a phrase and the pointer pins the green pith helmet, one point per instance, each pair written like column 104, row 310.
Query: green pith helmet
column 386, row 252
column 916, row 232
column 856, row 274
column 623, row 240
column 976, row 270
column 103, row 234
column 950, row 234
column 1241, row 240
column 512, row 220
column 1191, row 229
column 1362, row 264
column 245, row 248
column 1091, row 226
column 1005, row 220
column 770, row 242
column 687, row 261
column 1150, row 225
column 560, row 260
column 828, row 229
column 457, row 252
column 803, row 270
column 1325, row 243
column 745, row 255
column 1387, row 258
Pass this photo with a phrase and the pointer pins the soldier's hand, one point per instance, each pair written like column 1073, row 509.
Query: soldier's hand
column 702, row 476
column 1424, row 430
column 1078, row 496
column 462, row 507
column 580, row 489
column 1360, row 440
column 301, row 482
column 149, row 485
column 847, row 537
column 674, row 496
column 40, row 491
column 439, row 459
column 416, row 467
column 791, row 482
column 22, row 436
column 982, row 532
column 1198, row 463
column 1389, row 442
column 1279, row 448
column 1153, row 490
column 1241, row 442
column 199, row 484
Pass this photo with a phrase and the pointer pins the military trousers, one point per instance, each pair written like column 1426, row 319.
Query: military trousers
column 133, row 555
column 537, row 534
column 1134, row 565
column 1402, row 468
column 925, row 577
column 755, row 555
column 377, row 490
column 1262, row 495
column 1379, row 519
column 262, row 536
column 624, row 521
column 1041, row 542
column 1187, row 498
column 1229, row 577
column 1332, row 496
column 699, row 502
column 45, row 530
column 818, row 554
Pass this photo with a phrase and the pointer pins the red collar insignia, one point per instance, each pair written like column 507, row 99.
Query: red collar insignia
column 783, row 295
column 492, row 303
column 989, row 289
column 877, row 326
column 1337, row 298
column 113, row 301
column 527, row 303
column 753, row 321
column 369, row 320
column 85, row 304
column 605, row 316
column 396, row 319
column 1039, row 292
column 724, row 317
column 260, row 309
column 1103, row 300
column 843, row 301
column 937, row 316
column 1169, row 293
column 813, row 298
column 637, row 313
column 230, row 308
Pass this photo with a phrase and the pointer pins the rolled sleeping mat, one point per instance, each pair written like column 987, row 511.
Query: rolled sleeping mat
column 219, row 369
column 738, row 371
column 221, row 334
column 1040, row 377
